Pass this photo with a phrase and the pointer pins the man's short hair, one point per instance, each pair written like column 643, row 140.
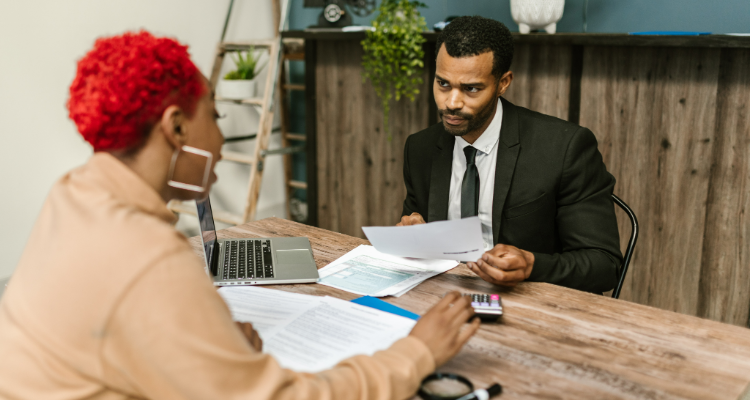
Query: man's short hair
column 472, row 36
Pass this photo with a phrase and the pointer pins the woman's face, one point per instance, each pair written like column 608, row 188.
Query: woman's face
column 202, row 132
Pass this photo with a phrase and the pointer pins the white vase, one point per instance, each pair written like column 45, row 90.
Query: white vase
column 237, row 89
column 537, row 14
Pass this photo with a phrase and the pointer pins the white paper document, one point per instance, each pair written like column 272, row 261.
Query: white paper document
column 458, row 239
column 367, row 271
column 267, row 309
column 313, row 333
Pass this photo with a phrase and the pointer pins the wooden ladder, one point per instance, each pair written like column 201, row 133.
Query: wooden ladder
column 265, row 106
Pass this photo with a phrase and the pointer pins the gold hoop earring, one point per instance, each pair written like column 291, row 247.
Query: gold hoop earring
column 206, row 173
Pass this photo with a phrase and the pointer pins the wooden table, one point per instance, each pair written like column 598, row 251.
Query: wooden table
column 558, row 343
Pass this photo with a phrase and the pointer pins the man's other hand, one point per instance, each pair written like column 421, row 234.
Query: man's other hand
column 442, row 329
column 251, row 335
column 412, row 219
column 504, row 265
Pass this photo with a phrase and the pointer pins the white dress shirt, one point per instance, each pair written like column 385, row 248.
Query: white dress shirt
column 486, row 160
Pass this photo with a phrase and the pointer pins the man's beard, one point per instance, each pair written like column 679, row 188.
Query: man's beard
column 474, row 121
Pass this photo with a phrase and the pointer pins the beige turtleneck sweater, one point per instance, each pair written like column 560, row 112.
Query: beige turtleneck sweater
column 109, row 302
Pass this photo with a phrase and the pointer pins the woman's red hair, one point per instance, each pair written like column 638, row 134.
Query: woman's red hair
column 124, row 84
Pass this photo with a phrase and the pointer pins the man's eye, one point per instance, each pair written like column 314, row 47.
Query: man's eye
column 443, row 83
column 471, row 89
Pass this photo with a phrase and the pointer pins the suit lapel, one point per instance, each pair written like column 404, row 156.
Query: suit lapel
column 507, row 154
column 440, row 180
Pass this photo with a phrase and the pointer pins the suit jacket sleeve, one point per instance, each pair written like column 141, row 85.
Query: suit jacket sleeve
column 586, row 223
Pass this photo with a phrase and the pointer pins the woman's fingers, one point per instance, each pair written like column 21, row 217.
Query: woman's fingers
column 468, row 332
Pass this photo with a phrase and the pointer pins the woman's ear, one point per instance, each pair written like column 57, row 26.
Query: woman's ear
column 172, row 126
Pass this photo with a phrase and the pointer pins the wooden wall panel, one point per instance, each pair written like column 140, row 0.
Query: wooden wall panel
column 360, row 170
column 724, row 290
column 541, row 78
column 653, row 111
column 672, row 125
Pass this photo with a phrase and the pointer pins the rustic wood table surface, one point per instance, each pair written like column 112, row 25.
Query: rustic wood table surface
column 558, row 343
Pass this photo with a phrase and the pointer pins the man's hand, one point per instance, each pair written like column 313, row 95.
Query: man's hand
column 440, row 328
column 504, row 265
column 412, row 219
column 251, row 335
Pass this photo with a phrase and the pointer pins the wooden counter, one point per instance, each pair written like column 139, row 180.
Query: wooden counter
column 558, row 343
column 671, row 115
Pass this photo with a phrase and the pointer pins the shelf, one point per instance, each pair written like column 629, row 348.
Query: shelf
column 246, row 45
column 296, row 136
column 294, row 86
column 236, row 157
column 297, row 184
column 575, row 39
column 189, row 208
column 257, row 101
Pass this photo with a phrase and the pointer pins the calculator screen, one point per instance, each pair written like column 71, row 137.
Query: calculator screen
column 208, row 231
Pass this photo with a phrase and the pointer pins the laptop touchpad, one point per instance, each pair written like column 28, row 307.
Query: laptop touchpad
column 294, row 257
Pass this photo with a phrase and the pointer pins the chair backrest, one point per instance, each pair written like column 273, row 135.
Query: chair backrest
column 631, row 245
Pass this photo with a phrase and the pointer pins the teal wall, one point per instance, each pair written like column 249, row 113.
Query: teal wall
column 717, row 16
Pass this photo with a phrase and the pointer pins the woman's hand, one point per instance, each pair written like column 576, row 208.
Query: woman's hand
column 251, row 335
column 440, row 328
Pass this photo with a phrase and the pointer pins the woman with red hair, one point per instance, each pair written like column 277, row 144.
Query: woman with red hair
column 109, row 301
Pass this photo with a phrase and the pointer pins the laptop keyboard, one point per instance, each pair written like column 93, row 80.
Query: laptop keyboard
column 248, row 259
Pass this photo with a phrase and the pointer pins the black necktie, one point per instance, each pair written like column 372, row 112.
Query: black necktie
column 470, row 185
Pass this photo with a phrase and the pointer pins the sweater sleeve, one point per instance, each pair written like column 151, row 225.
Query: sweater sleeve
column 172, row 336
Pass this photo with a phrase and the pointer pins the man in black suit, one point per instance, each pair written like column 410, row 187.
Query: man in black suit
column 537, row 183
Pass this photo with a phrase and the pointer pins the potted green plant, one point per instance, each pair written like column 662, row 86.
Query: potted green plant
column 393, row 55
column 240, row 83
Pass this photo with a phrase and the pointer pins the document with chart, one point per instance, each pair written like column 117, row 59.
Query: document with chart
column 369, row 272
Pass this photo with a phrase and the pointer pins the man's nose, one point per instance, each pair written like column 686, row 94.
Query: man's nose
column 455, row 100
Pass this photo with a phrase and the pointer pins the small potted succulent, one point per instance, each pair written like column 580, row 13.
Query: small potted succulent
column 240, row 83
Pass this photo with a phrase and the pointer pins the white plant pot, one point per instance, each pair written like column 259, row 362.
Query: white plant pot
column 237, row 89
column 537, row 14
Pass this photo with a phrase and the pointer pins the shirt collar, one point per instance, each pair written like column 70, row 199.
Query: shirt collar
column 119, row 180
column 489, row 138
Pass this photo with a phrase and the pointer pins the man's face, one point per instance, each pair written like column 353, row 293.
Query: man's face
column 466, row 92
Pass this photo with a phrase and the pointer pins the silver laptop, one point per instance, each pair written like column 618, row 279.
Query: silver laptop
column 254, row 261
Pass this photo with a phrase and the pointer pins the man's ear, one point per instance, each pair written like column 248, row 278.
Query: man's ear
column 172, row 126
column 504, row 83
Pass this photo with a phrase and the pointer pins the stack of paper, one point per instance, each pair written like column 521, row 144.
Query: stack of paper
column 311, row 333
column 369, row 272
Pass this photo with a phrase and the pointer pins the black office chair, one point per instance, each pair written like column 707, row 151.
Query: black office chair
column 631, row 244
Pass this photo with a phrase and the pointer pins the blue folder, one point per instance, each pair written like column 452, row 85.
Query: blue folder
column 383, row 306
column 671, row 33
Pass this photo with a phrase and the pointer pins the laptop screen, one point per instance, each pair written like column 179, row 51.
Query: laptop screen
column 208, row 232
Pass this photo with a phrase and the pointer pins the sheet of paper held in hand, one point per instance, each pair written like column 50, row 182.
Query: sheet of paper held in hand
column 459, row 239
column 311, row 333
column 367, row 271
